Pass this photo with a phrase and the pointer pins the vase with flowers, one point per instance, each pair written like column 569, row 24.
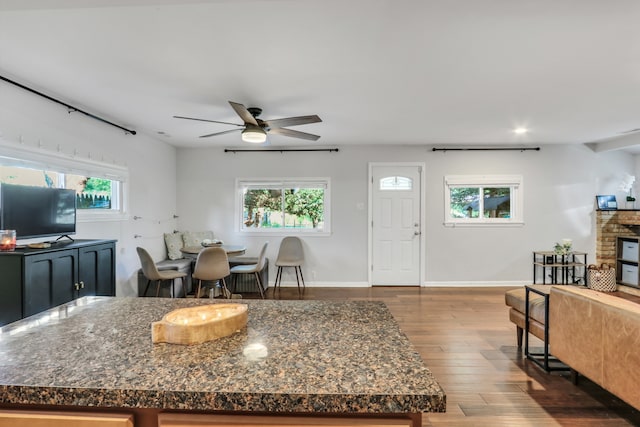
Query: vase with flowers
column 563, row 248
column 627, row 187
column 631, row 201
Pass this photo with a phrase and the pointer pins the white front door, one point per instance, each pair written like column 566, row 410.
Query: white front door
column 395, row 224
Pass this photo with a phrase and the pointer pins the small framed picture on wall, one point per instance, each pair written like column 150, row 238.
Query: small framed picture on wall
column 607, row 203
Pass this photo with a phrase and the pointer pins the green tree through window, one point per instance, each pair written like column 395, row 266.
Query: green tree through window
column 483, row 199
column 305, row 204
column 96, row 194
column 284, row 206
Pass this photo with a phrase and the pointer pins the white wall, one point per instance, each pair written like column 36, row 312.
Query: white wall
column 36, row 122
column 560, row 184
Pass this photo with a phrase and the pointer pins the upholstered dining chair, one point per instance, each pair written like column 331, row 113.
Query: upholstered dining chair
column 290, row 254
column 151, row 272
column 254, row 269
column 212, row 264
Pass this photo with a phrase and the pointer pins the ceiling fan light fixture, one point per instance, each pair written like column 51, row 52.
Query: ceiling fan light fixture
column 254, row 134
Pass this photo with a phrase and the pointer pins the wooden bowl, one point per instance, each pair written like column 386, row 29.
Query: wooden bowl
column 195, row 325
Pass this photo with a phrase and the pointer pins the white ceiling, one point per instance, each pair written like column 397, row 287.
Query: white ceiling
column 433, row 72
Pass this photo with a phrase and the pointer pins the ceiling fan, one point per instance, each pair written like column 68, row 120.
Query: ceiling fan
column 255, row 130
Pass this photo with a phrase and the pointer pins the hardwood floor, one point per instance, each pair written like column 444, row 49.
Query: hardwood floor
column 466, row 339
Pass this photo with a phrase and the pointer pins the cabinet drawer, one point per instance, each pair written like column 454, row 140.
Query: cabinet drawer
column 629, row 274
column 629, row 250
column 23, row 418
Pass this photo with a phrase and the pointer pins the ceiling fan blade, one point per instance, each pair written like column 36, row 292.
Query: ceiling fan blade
column 205, row 120
column 244, row 114
column 220, row 133
column 294, row 134
column 293, row 121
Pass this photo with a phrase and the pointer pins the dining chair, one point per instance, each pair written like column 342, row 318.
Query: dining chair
column 151, row 272
column 290, row 254
column 254, row 269
column 212, row 264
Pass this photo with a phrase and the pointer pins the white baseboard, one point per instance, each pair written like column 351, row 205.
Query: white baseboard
column 325, row 284
column 475, row 284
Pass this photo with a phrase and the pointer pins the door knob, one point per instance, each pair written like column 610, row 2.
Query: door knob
column 416, row 233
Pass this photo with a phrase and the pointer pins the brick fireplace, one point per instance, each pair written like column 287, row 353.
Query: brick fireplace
column 609, row 226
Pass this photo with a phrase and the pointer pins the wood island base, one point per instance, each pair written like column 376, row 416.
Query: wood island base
column 74, row 416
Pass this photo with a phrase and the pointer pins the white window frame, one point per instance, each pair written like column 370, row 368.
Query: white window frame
column 514, row 182
column 285, row 183
column 36, row 158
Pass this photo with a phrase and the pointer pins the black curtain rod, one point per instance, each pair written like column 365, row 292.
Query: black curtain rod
column 489, row 149
column 281, row 150
column 70, row 107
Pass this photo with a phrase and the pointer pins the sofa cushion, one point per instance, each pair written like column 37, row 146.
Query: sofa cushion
column 174, row 243
column 195, row 238
column 515, row 299
column 535, row 327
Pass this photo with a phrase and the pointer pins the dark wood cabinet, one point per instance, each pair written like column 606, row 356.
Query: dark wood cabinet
column 35, row 280
column 96, row 270
column 49, row 280
column 10, row 289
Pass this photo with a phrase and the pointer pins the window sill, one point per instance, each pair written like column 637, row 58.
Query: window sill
column 300, row 233
column 483, row 224
column 88, row 216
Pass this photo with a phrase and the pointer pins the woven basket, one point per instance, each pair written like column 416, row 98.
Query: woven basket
column 602, row 278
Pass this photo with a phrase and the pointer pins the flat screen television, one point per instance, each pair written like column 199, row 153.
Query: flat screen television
column 37, row 211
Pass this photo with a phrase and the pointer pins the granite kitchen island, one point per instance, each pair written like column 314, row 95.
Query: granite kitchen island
column 309, row 359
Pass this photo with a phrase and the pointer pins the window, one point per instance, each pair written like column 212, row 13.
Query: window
column 284, row 205
column 99, row 187
column 91, row 192
column 395, row 183
column 486, row 200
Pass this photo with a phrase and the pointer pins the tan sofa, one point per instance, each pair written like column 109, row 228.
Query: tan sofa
column 515, row 299
column 598, row 335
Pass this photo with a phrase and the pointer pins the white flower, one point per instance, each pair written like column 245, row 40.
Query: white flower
column 627, row 182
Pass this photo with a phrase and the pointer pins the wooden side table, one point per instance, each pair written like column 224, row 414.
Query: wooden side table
column 563, row 269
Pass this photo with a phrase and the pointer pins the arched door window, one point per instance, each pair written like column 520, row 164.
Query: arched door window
column 396, row 183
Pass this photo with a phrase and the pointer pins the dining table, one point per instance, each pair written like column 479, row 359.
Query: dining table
column 193, row 251
column 231, row 250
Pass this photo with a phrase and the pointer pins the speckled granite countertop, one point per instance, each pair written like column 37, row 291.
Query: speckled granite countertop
column 293, row 356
